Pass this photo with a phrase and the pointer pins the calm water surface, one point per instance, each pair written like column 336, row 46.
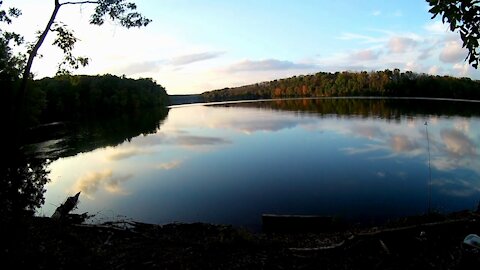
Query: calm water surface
column 357, row 159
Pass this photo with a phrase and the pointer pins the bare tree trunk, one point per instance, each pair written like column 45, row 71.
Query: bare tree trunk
column 20, row 102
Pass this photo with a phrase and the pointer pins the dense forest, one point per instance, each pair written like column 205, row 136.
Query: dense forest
column 68, row 97
column 74, row 96
column 386, row 83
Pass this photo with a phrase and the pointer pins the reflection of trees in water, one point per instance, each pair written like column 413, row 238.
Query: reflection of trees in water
column 384, row 108
column 22, row 181
column 24, row 173
column 87, row 135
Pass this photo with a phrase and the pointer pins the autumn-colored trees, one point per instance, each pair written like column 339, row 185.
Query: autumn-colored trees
column 374, row 83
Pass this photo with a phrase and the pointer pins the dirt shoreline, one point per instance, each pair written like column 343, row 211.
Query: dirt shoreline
column 425, row 242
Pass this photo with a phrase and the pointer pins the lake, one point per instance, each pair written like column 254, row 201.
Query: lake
column 363, row 160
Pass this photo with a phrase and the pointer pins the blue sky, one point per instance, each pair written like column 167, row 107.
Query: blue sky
column 193, row 46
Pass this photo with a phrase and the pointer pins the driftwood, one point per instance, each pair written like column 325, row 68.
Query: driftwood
column 389, row 232
column 63, row 211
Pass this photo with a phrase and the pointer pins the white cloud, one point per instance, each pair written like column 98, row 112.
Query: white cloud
column 434, row 70
column 452, row 52
column 192, row 58
column 365, row 55
column 436, row 27
column 376, row 13
column 425, row 53
column 464, row 69
column 398, row 44
column 139, row 67
column 267, row 64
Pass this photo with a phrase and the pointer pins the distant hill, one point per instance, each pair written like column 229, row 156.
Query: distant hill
column 185, row 99
column 375, row 83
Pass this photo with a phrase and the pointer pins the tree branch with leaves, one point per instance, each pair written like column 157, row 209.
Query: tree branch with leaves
column 114, row 10
column 464, row 16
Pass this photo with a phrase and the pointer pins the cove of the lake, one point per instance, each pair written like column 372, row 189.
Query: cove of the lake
column 360, row 159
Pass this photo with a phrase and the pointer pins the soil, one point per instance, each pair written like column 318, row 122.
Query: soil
column 426, row 242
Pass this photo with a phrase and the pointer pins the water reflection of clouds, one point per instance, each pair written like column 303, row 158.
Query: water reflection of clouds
column 258, row 123
column 119, row 154
column 245, row 120
column 150, row 140
column 450, row 140
column 199, row 140
column 112, row 185
column 454, row 149
column 403, row 144
column 444, row 164
column 169, row 165
column 462, row 125
column 183, row 140
column 368, row 148
column 456, row 187
column 458, row 144
column 387, row 137
column 91, row 182
column 368, row 131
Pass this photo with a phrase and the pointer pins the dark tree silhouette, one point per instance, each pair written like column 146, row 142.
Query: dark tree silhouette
column 22, row 181
column 464, row 16
column 115, row 10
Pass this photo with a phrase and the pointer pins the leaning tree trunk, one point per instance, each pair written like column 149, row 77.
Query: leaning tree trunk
column 22, row 90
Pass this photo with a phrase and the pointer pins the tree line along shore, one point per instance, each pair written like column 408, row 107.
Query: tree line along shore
column 387, row 83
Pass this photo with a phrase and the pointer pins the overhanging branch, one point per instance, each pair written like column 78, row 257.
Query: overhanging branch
column 80, row 2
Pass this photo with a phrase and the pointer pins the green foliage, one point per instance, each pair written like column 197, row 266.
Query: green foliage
column 6, row 16
column 10, row 64
column 379, row 83
column 66, row 40
column 115, row 10
column 118, row 10
column 464, row 16
column 69, row 97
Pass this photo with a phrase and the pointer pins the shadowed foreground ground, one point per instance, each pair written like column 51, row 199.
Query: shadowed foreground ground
column 433, row 242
